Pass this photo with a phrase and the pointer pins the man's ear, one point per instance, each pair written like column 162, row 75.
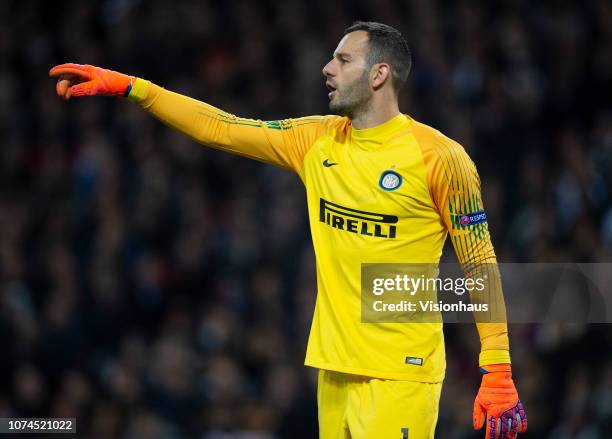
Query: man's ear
column 380, row 74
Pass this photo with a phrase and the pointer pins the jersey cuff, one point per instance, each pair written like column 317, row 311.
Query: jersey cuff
column 139, row 91
column 494, row 356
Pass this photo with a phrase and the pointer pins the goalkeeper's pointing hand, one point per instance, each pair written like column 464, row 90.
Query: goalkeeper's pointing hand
column 86, row 80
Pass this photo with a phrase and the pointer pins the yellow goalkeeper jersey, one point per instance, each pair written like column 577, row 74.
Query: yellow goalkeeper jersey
column 391, row 193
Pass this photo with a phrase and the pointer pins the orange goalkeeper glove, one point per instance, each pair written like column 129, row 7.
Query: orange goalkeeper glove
column 86, row 80
column 498, row 402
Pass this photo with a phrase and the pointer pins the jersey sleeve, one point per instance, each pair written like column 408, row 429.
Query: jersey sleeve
column 282, row 143
column 455, row 190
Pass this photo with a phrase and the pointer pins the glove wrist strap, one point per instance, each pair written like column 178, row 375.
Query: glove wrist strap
column 496, row 368
column 138, row 89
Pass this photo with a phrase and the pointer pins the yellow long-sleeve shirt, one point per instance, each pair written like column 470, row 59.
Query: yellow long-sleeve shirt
column 391, row 193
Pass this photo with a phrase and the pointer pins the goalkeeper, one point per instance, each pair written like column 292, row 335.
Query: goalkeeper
column 381, row 187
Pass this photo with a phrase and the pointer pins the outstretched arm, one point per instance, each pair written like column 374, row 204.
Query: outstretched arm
column 283, row 143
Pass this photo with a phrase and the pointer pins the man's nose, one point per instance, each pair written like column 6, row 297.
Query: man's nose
column 327, row 70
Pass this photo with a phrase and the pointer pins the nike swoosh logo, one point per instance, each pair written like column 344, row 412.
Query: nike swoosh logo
column 327, row 164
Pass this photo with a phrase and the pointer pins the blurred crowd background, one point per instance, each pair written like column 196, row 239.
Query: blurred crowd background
column 153, row 288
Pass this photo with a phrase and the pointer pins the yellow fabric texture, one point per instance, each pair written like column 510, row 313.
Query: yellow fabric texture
column 341, row 168
column 358, row 407
column 494, row 356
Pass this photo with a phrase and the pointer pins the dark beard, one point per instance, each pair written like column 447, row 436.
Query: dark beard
column 355, row 98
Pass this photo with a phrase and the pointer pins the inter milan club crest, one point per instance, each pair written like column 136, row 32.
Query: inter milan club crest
column 390, row 180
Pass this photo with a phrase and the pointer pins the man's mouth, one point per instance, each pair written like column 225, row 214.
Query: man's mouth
column 331, row 88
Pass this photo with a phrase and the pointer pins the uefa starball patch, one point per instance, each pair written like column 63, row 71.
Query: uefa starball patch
column 468, row 219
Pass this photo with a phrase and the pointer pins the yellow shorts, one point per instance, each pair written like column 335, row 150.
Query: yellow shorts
column 358, row 407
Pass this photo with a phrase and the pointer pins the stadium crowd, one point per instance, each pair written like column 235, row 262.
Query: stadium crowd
column 152, row 288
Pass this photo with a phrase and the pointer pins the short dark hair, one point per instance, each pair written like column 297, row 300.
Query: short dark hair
column 386, row 44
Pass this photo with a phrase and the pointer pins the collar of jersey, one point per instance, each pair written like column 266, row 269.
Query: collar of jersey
column 375, row 136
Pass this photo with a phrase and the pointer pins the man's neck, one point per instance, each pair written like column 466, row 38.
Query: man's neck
column 375, row 116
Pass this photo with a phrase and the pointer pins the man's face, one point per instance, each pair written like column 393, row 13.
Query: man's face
column 348, row 76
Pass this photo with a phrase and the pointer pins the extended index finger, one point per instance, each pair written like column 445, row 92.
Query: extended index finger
column 70, row 69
